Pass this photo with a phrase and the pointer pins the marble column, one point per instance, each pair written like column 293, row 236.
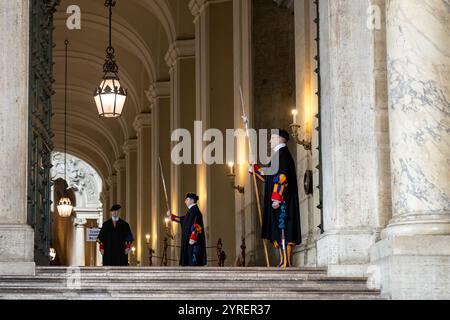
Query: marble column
column 79, row 242
column 246, row 215
column 307, row 107
column 143, row 126
column 181, row 60
column 130, row 211
column 106, row 202
column 112, row 184
column 355, row 147
column 159, row 97
column 215, row 96
column 413, row 259
column 17, row 244
column 121, row 172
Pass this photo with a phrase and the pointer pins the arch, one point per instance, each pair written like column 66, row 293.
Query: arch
column 128, row 37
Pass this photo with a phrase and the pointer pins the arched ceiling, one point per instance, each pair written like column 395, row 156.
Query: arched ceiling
column 142, row 33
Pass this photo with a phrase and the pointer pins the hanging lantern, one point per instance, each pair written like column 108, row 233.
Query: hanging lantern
column 110, row 96
column 65, row 205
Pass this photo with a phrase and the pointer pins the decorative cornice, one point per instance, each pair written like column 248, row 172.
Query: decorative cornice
column 197, row 7
column 143, row 120
column 157, row 90
column 120, row 165
column 130, row 146
column 180, row 49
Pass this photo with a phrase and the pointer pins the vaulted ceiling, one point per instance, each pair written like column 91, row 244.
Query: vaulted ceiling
column 142, row 33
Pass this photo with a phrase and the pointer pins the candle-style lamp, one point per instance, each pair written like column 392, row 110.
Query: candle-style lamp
column 232, row 177
column 296, row 132
column 167, row 229
column 150, row 250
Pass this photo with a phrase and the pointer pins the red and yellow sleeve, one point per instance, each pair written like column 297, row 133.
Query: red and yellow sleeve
column 280, row 184
column 259, row 173
column 175, row 218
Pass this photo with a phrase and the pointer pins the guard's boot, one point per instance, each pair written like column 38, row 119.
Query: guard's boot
column 290, row 248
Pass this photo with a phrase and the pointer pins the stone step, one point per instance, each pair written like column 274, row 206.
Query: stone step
column 183, row 283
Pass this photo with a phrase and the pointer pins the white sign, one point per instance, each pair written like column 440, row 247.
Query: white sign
column 92, row 234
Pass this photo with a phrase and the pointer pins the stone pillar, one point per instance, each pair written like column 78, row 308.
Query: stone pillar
column 106, row 202
column 159, row 98
column 245, row 207
column 79, row 242
column 355, row 150
column 130, row 212
column 17, row 244
column 121, row 172
column 181, row 60
column 112, row 184
column 215, row 98
column 413, row 259
column 142, row 125
column 307, row 107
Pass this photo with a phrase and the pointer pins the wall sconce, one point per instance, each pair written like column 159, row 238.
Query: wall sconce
column 295, row 132
column 232, row 177
column 150, row 250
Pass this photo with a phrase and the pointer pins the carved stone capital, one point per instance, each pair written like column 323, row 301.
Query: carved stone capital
column 112, row 181
column 142, row 121
column 130, row 146
column 120, row 165
column 180, row 49
column 158, row 90
column 79, row 222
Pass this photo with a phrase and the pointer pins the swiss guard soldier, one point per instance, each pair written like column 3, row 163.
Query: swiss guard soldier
column 115, row 239
column 281, row 216
column 193, row 242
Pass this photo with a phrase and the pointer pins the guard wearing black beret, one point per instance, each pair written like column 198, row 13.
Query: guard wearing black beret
column 115, row 239
column 281, row 216
column 193, row 242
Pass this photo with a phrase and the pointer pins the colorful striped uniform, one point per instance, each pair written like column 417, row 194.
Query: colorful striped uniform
column 196, row 229
column 280, row 183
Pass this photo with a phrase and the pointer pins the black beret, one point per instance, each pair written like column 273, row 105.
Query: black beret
column 282, row 133
column 116, row 207
column 192, row 196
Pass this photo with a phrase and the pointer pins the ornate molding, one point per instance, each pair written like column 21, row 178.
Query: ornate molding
column 112, row 181
column 142, row 121
column 130, row 146
column 197, row 7
column 120, row 165
column 79, row 222
column 158, row 90
column 180, row 49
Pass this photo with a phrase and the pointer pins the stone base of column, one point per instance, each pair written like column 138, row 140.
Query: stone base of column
column 413, row 268
column 346, row 252
column 16, row 250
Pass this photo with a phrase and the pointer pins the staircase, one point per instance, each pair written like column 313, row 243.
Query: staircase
column 172, row 283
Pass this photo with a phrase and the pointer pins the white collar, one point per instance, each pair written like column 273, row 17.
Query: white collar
column 278, row 147
column 194, row 204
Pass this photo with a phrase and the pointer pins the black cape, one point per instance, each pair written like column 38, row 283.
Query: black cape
column 270, row 225
column 113, row 239
column 192, row 255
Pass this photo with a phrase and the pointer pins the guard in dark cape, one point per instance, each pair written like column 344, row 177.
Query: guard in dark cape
column 281, row 216
column 115, row 239
column 193, row 242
